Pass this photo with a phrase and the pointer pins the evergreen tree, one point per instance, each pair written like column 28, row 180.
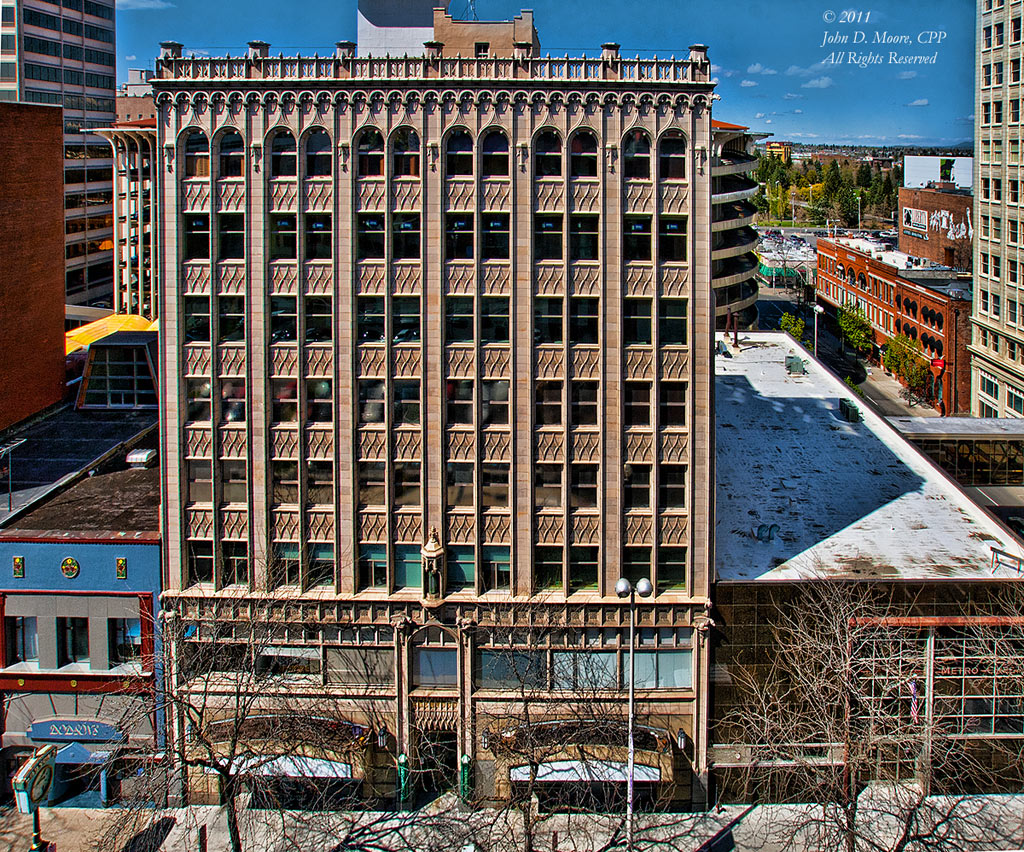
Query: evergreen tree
column 833, row 181
column 864, row 176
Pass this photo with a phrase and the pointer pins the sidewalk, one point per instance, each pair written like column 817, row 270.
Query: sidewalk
column 884, row 391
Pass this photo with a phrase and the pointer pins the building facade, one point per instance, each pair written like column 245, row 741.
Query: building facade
column 776, row 148
column 936, row 224
column 64, row 56
column 903, row 295
column 134, row 100
column 997, row 342
column 136, row 196
column 437, row 348
column 31, row 265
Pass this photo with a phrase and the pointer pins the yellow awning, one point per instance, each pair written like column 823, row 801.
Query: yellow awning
column 79, row 338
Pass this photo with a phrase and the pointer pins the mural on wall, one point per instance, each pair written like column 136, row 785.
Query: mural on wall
column 943, row 220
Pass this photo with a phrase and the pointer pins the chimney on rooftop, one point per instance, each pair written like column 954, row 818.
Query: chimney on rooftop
column 609, row 51
column 434, row 49
column 170, row 49
column 344, row 50
column 522, row 50
column 258, row 49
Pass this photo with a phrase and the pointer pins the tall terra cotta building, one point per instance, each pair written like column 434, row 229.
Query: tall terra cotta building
column 438, row 359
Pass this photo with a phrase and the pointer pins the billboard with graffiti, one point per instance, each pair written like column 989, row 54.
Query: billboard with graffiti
column 919, row 172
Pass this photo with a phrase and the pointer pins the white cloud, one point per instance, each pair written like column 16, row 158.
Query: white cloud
column 725, row 72
column 818, row 83
column 906, row 75
column 142, row 5
column 130, row 57
column 809, row 71
column 769, row 71
column 759, row 115
column 746, row 84
column 767, row 121
column 804, row 135
column 908, row 136
column 798, row 112
column 791, row 96
column 918, row 103
column 758, row 68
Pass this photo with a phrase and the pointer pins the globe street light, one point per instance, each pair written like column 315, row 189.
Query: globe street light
column 624, row 589
column 818, row 309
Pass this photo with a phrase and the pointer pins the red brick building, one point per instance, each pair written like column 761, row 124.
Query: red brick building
column 903, row 294
column 31, row 259
column 936, row 224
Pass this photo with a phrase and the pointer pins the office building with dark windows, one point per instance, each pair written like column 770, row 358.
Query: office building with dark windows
column 437, row 338
column 62, row 54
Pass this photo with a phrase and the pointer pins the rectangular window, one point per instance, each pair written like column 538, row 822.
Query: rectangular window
column 494, row 236
column 370, row 236
column 547, row 486
column 231, row 234
column 407, row 483
column 318, row 319
column 371, row 483
column 405, row 236
column 405, row 319
column 458, row 236
column 199, row 475
column 435, row 667
column 583, row 486
column 494, row 485
column 284, row 397
column 283, row 240
column 672, row 322
column 72, row 27
column 458, row 324
column 373, row 566
column 233, row 482
column 1015, row 401
column 370, row 323
column 672, row 239
column 371, row 400
column 671, row 568
column 547, row 237
column 636, row 322
column 636, row 238
column 584, row 670
column 459, row 402
column 637, row 404
column 72, row 641
column 496, row 568
column 547, row 320
column 21, row 639
column 408, row 567
column 664, row 669
column 548, row 403
column 319, row 408
column 636, row 480
column 583, row 566
column 197, row 318
column 407, row 402
column 318, row 236
column 319, row 483
column 494, row 402
column 584, row 403
column 636, row 564
column 672, row 405
column 584, row 321
column 124, row 636
column 583, row 236
column 200, row 562
column 284, row 482
column 547, row 567
column 672, row 486
column 197, row 236
column 197, row 396
column 494, row 322
column 461, row 563
column 459, row 483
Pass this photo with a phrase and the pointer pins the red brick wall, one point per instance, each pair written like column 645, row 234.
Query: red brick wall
column 31, row 260
column 948, row 213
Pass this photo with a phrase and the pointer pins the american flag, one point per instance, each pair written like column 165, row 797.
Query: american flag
column 913, row 702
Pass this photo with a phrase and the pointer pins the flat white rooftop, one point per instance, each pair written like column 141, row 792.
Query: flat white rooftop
column 966, row 427
column 850, row 500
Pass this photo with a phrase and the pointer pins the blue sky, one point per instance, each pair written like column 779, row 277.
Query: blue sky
column 774, row 72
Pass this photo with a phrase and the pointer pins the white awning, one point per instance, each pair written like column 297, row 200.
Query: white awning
column 589, row 770
column 296, row 767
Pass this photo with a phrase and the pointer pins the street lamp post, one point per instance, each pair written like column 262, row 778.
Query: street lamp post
column 858, row 210
column 818, row 309
column 625, row 589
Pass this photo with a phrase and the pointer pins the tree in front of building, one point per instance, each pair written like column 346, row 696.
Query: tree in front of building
column 904, row 358
column 793, row 326
column 854, row 327
column 856, row 717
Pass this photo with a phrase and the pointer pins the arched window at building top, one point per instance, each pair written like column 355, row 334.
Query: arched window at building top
column 197, row 155
column 406, row 153
column 636, row 156
column 494, row 157
column 282, row 155
column 370, row 154
column 232, row 154
column 459, row 154
column 672, row 156
column 318, row 154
